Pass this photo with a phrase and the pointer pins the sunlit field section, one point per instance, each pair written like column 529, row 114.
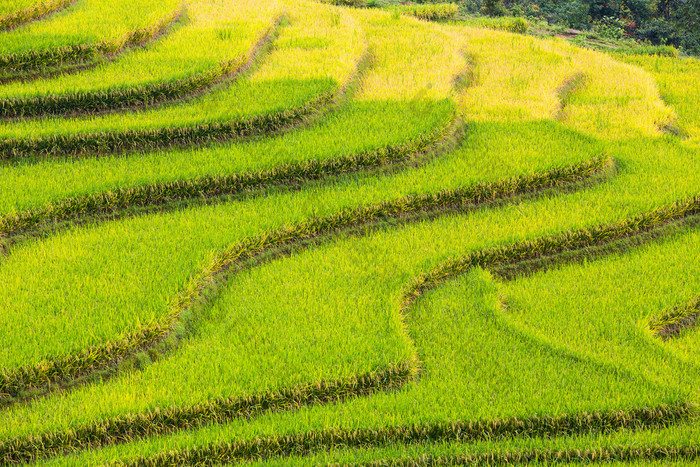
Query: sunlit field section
column 292, row 83
column 82, row 33
column 387, row 111
column 18, row 12
column 677, row 80
column 216, row 40
column 628, row 193
column 406, row 116
column 494, row 290
column 427, row 185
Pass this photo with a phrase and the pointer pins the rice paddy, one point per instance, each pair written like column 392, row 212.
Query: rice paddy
column 290, row 232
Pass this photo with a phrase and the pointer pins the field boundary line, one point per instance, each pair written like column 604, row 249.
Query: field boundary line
column 36, row 64
column 620, row 453
column 94, row 144
column 37, row 12
column 541, row 426
column 252, row 248
column 136, row 97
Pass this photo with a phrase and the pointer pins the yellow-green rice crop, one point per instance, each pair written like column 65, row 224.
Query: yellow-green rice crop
column 213, row 35
column 575, row 170
column 87, row 22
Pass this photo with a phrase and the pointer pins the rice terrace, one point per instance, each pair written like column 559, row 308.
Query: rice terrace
column 343, row 232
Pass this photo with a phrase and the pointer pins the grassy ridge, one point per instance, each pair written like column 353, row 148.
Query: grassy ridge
column 619, row 198
column 157, row 73
column 291, row 84
column 15, row 14
column 14, row 383
column 64, row 39
column 529, row 369
column 464, row 431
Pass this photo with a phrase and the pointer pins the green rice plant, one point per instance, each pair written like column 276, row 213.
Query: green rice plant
column 216, row 186
column 64, row 40
column 541, row 347
column 48, row 373
column 465, row 431
column 660, row 50
column 528, row 212
column 13, row 15
column 302, row 81
column 160, row 73
column 428, row 202
column 164, row 421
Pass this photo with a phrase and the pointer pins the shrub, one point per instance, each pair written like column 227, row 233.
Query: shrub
column 493, row 8
column 506, row 23
column 430, row 12
column 350, row 3
column 575, row 14
column 610, row 27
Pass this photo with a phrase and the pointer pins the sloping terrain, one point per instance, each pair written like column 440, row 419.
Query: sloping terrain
column 293, row 233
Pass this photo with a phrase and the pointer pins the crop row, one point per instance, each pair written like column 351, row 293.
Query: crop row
column 554, row 245
column 626, row 454
column 160, row 138
column 34, row 12
column 462, row 431
column 101, row 101
column 14, row 65
column 129, row 427
column 160, row 194
column 61, row 371
column 255, row 247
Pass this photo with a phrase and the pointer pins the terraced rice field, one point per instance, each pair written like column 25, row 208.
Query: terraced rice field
column 286, row 232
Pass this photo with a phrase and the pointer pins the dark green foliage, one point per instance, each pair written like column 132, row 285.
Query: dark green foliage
column 159, row 138
column 35, row 61
column 130, row 427
column 32, row 13
column 674, row 323
column 463, row 431
column 493, row 8
column 577, row 456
